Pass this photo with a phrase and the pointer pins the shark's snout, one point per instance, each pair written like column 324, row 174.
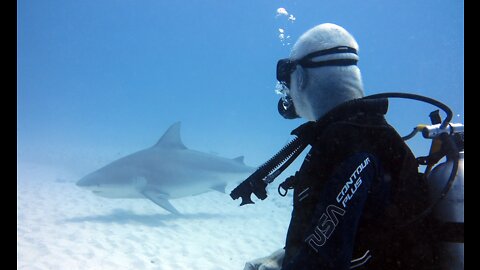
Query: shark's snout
column 87, row 182
column 81, row 183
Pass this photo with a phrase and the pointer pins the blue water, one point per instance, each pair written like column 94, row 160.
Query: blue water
column 115, row 73
column 101, row 79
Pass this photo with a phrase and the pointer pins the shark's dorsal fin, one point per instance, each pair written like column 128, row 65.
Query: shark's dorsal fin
column 171, row 138
column 239, row 160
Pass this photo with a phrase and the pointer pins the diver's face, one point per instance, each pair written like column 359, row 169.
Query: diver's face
column 290, row 75
column 298, row 93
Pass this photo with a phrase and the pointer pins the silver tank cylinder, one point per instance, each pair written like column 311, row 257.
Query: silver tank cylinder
column 449, row 209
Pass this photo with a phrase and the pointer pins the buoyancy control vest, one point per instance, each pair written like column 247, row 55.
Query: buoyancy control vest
column 444, row 210
column 395, row 193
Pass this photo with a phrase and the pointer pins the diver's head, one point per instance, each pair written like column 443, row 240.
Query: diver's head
column 320, row 73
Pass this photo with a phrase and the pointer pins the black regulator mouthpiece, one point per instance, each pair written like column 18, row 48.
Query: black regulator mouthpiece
column 286, row 108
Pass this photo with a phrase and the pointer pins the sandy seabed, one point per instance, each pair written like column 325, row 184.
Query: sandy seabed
column 60, row 226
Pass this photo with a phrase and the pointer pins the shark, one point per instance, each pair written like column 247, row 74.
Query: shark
column 167, row 170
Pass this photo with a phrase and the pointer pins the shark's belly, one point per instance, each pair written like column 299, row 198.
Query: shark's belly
column 119, row 193
column 190, row 184
column 179, row 191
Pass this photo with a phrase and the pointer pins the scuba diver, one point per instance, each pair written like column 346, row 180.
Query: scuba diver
column 359, row 201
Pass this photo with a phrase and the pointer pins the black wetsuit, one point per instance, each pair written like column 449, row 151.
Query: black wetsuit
column 357, row 185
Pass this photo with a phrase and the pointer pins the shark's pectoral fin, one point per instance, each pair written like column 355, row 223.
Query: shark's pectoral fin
column 220, row 188
column 160, row 199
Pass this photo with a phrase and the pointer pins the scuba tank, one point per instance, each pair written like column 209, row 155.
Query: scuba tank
column 446, row 187
column 449, row 213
